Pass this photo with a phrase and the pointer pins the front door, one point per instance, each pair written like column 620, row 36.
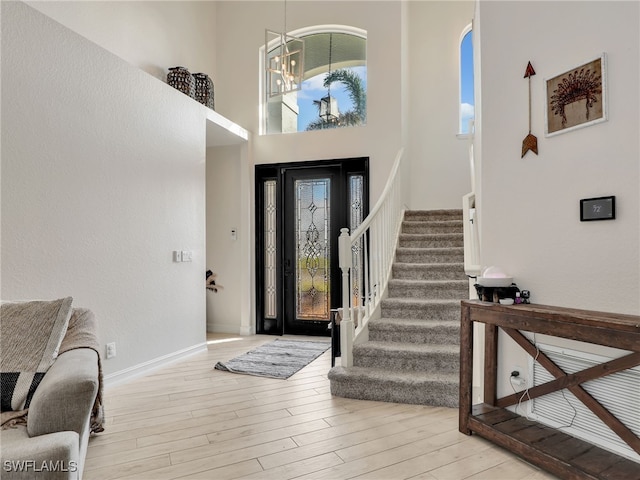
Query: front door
column 312, row 218
column 300, row 211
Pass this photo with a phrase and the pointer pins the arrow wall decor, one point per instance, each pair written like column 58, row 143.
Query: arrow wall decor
column 530, row 142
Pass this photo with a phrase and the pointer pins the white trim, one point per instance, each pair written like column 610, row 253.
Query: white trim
column 121, row 376
column 231, row 328
column 314, row 29
column 247, row 330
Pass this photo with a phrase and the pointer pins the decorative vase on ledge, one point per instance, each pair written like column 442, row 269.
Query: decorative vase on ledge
column 204, row 90
column 181, row 79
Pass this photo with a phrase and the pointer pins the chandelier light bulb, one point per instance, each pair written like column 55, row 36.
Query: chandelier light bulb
column 283, row 71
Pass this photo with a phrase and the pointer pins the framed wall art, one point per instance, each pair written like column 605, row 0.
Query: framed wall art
column 576, row 98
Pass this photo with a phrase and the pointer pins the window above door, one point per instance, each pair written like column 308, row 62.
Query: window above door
column 334, row 84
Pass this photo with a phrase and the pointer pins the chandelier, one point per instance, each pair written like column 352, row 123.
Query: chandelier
column 329, row 105
column 283, row 59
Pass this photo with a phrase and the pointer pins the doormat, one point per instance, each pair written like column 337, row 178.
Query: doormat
column 277, row 359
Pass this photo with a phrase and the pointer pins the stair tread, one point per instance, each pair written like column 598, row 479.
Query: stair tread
column 395, row 376
column 452, row 211
column 414, row 281
column 429, row 236
column 434, row 219
column 431, row 249
column 380, row 345
column 442, row 265
column 421, row 301
column 381, row 323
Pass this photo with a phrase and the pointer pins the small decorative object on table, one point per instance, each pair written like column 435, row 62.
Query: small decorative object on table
column 494, row 285
column 204, row 90
column 496, row 294
column 181, row 79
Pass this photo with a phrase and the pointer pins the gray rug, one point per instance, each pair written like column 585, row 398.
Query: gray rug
column 277, row 359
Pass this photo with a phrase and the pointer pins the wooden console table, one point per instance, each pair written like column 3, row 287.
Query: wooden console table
column 550, row 449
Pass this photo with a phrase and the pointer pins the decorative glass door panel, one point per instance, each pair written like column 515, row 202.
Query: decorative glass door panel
column 313, row 252
column 356, row 216
column 311, row 228
column 300, row 209
column 270, row 259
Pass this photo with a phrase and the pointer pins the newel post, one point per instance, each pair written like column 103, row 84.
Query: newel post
column 346, row 325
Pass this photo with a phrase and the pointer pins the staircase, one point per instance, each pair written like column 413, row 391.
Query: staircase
column 413, row 352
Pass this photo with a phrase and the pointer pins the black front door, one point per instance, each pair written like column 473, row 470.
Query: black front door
column 300, row 211
column 312, row 221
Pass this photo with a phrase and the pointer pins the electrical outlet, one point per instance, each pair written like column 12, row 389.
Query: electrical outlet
column 111, row 350
column 519, row 379
column 177, row 256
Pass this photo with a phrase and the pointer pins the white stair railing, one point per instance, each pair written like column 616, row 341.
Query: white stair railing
column 472, row 266
column 366, row 258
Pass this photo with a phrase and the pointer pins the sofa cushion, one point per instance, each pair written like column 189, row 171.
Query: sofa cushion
column 31, row 336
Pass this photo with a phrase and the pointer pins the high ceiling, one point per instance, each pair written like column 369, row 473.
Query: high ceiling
column 346, row 51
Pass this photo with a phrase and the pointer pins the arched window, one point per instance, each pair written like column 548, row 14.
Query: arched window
column 334, row 86
column 466, row 81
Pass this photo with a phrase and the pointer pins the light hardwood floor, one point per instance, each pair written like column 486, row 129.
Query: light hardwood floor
column 188, row 420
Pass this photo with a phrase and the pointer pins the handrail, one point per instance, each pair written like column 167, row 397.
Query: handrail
column 366, row 258
column 472, row 265
column 378, row 206
column 470, row 226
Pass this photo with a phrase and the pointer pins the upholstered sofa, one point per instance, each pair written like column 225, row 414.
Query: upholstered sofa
column 50, row 441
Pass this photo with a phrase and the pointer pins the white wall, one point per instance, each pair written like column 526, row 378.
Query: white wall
column 237, row 97
column 224, row 171
column 225, row 37
column 529, row 207
column 222, row 38
column 391, row 27
column 238, row 93
column 103, row 176
column 439, row 160
column 152, row 35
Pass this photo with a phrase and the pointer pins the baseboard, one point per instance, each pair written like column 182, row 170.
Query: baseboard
column 231, row 328
column 246, row 330
column 121, row 376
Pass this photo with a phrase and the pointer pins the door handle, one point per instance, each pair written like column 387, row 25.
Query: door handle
column 287, row 267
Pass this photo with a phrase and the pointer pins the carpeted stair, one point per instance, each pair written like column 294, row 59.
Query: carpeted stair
column 413, row 352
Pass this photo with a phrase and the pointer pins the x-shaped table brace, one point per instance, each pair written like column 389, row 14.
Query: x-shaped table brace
column 573, row 382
